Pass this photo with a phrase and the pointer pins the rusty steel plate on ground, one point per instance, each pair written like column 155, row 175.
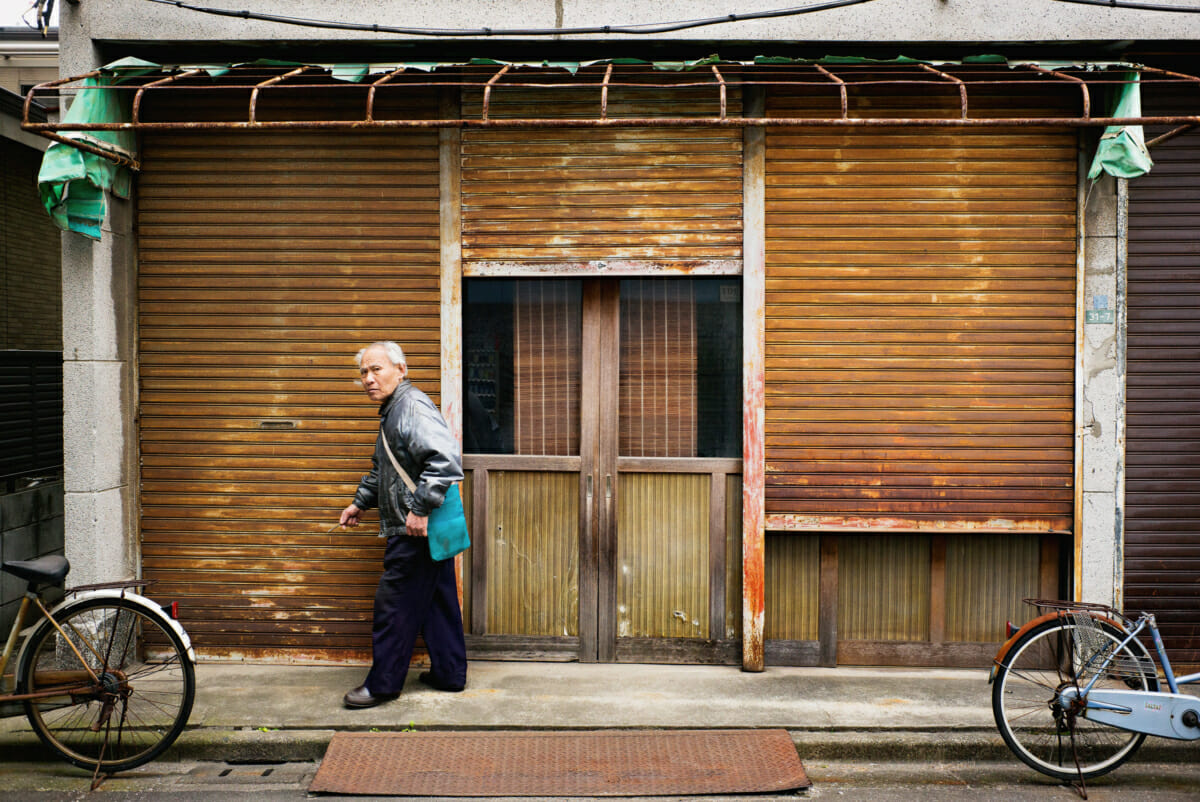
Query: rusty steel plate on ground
column 604, row 763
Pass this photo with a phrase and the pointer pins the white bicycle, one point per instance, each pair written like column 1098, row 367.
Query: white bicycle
column 1075, row 692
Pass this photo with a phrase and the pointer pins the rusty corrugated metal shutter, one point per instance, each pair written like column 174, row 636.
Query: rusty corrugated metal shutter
column 601, row 194
column 265, row 262
column 1162, row 483
column 920, row 324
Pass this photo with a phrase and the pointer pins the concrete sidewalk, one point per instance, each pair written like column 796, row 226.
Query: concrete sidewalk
column 249, row 712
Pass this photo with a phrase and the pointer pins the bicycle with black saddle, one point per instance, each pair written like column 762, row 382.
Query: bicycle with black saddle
column 106, row 677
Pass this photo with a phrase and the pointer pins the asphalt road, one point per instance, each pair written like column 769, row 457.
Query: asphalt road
column 885, row 782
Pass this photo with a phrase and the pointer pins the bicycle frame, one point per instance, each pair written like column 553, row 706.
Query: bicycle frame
column 62, row 682
column 1168, row 715
column 1147, row 621
column 67, row 681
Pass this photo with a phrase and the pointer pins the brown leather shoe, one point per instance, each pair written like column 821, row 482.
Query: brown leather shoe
column 360, row 697
column 431, row 679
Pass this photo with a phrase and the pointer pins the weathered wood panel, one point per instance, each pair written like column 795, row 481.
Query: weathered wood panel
column 792, row 586
column 265, row 262
column 532, row 554
column 986, row 580
column 663, row 556
column 883, row 588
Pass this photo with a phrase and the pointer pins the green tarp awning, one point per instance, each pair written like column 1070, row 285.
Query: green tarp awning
column 72, row 182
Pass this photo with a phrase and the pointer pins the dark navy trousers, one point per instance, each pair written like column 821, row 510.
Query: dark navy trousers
column 415, row 595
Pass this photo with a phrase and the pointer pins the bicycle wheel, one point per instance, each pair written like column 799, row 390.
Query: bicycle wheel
column 141, row 702
column 1060, row 654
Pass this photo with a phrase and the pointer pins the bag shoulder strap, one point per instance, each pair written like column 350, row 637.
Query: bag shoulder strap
column 408, row 482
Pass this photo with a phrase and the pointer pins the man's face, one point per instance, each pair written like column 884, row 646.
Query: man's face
column 380, row 376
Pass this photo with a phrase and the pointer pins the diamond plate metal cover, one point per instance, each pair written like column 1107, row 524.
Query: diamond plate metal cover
column 604, row 763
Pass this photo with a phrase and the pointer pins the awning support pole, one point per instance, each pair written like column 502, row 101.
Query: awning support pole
column 1087, row 97
column 269, row 82
column 604, row 93
column 841, row 86
column 371, row 92
column 137, row 98
column 487, row 90
column 962, row 87
column 724, row 95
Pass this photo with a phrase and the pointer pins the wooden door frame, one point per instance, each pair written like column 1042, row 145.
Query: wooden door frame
column 601, row 323
column 752, row 269
column 598, row 470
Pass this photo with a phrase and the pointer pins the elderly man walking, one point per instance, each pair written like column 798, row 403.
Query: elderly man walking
column 416, row 593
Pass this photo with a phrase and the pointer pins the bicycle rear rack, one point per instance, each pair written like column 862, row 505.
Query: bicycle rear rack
column 124, row 583
column 1092, row 646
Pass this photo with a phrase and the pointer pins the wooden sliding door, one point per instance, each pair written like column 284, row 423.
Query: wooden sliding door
column 602, row 434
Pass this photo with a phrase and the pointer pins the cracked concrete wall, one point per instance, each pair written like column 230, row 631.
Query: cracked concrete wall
column 1101, row 390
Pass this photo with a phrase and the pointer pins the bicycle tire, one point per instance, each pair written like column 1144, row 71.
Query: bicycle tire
column 148, row 685
column 1035, row 726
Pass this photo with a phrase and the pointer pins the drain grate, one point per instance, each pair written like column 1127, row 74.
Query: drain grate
column 247, row 773
column 608, row 763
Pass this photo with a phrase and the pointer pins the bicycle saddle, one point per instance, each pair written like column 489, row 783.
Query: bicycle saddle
column 52, row 569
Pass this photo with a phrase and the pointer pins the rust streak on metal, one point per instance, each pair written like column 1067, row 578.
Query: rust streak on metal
column 270, row 82
column 604, row 93
column 841, row 88
column 374, row 86
column 962, row 86
column 487, row 91
column 1087, row 97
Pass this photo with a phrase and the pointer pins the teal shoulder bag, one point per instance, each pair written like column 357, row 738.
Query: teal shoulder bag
column 447, row 528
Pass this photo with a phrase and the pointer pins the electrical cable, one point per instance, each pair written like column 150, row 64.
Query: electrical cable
column 634, row 29
column 1126, row 5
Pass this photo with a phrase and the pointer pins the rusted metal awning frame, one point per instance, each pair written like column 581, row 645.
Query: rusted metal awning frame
column 814, row 79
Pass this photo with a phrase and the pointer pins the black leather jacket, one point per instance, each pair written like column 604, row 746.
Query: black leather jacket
column 426, row 449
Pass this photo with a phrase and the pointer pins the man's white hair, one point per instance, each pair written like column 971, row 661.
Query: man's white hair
column 393, row 351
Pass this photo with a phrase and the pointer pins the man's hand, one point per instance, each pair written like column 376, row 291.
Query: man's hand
column 350, row 516
column 416, row 525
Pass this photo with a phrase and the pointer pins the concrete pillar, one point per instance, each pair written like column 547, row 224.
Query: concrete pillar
column 1101, row 394
column 99, row 401
column 99, row 388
